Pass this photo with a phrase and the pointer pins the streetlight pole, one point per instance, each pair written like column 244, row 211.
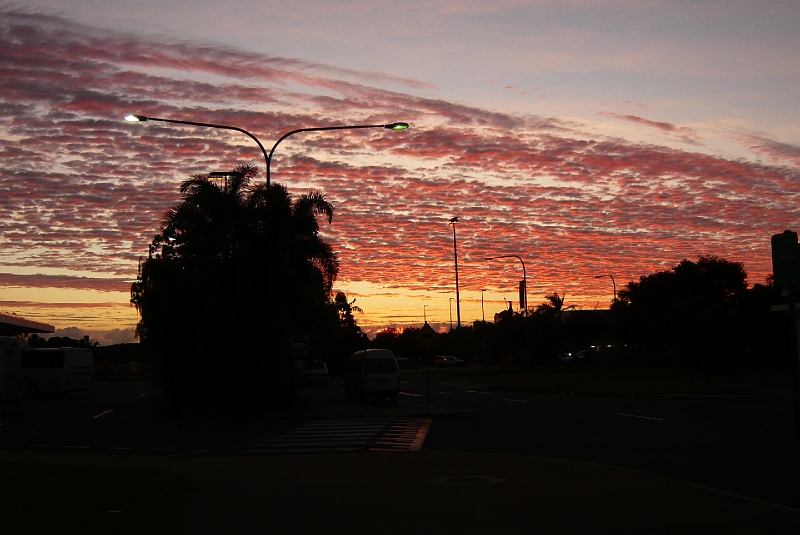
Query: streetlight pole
column 524, row 277
column 425, row 314
column 267, row 157
column 389, row 126
column 451, row 313
column 614, row 284
column 483, row 315
column 453, row 222
column 523, row 296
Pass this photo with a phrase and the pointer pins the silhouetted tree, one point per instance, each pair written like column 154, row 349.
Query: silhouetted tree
column 690, row 310
column 235, row 270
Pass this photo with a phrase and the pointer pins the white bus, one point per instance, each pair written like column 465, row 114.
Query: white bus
column 54, row 370
column 10, row 380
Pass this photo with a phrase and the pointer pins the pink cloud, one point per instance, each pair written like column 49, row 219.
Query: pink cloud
column 689, row 135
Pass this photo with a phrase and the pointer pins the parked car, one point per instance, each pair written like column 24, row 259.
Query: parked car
column 315, row 373
column 446, row 360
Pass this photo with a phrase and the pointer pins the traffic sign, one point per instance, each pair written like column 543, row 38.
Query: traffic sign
column 785, row 260
column 299, row 345
column 426, row 336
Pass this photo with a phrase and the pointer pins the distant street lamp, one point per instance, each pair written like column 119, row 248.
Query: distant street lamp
column 451, row 313
column 523, row 297
column 612, row 282
column 524, row 278
column 268, row 157
column 453, row 222
column 483, row 316
column 425, row 314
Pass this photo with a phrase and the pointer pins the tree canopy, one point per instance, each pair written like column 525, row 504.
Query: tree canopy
column 235, row 270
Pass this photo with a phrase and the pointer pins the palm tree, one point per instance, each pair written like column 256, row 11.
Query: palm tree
column 224, row 266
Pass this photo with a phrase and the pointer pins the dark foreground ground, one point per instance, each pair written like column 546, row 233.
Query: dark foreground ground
column 489, row 457
column 376, row 492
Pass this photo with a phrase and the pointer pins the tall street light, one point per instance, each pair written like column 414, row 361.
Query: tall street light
column 483, row 316
column 523, row 296
column 524, row 293
column 612, row 282
column 451, row 313
column 453, row 222
column 425, row 313
column 389, row 126
column 267, row 157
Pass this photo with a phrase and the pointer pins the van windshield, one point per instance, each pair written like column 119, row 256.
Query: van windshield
column 380, row 366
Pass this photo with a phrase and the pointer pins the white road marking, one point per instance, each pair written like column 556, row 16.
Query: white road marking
column 440, row 392
column 479, row 392
column 637, row 416
column 78, row 447
column 109, row 411
column 517, row 400
column 141, row 395
column 410, row 394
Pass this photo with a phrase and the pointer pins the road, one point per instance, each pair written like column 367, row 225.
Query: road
column 741, row 445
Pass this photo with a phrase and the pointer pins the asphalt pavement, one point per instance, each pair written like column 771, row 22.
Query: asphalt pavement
column 484, row 465
column 438, row 493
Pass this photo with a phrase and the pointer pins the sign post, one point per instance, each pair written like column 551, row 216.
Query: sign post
column 786, row 273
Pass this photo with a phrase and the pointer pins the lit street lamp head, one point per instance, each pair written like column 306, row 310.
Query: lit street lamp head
column 135, row 118
column 396, row 126
column 454, row 220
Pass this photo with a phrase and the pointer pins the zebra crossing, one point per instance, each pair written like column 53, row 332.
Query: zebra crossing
column 348, row 435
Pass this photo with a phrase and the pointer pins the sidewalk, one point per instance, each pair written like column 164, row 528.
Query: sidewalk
column 436, row 492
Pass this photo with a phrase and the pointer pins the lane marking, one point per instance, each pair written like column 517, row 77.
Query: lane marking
column 109, row 411
column 79, row 447
column 124, row 449
column 517, row 400
column 440, row 392
column 637, row 416
column 410, row 394
column 479, row 392
column 141, row 395
column 420, row 438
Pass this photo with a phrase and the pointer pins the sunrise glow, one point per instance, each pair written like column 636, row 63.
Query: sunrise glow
column 620, row 179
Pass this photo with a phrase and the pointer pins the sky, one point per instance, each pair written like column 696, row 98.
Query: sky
column 590, row 138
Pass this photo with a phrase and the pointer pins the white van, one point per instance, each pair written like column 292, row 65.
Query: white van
column 372, row 372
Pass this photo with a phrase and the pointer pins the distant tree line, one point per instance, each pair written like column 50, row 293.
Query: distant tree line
column 36, row 341
column 699, row 315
